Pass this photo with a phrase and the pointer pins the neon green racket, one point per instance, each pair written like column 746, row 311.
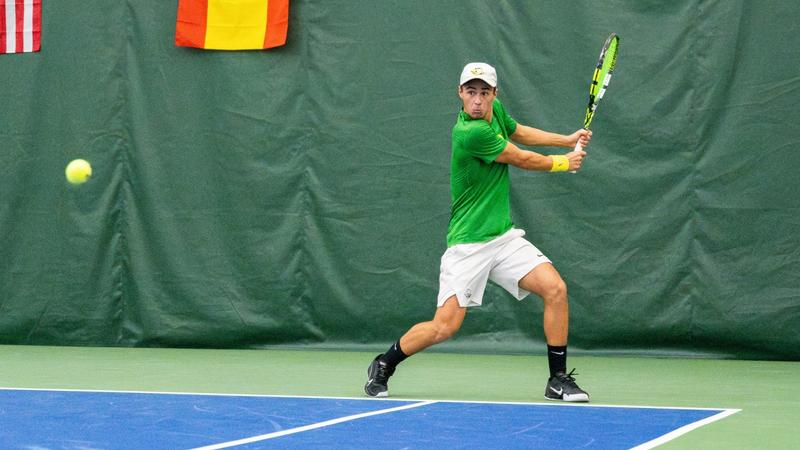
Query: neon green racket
column 600, row 78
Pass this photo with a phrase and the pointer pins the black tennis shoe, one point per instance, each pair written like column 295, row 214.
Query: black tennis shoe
column 562, row 386
column 378, row 374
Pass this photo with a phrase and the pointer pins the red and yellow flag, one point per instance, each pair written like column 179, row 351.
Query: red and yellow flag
column 232, row 24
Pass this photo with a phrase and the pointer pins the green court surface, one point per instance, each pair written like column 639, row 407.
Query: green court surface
column 767, row 392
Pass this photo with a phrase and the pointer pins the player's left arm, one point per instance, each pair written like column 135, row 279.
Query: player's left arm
column 531, row 136
column 528, row 160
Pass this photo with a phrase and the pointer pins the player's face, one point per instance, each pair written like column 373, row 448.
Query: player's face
column 477, row 96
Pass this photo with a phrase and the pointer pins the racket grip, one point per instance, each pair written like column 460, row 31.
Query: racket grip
column 578, row 148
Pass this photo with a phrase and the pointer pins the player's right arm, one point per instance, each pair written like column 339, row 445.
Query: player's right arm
column 528, row 160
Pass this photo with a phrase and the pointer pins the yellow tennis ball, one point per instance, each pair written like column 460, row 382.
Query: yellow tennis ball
column 78, row 171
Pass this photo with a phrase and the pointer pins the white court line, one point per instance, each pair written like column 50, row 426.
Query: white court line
column 664, row 438
column 313, row 426
column 371, row 399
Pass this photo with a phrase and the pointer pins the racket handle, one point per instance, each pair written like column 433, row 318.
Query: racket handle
column 578, row 148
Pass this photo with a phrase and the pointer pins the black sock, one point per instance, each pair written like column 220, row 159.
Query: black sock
column 557, row 358
column 394, row 355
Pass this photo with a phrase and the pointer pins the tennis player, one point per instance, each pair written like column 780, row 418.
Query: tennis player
column 482, row 242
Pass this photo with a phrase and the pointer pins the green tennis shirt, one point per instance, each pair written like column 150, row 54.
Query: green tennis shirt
column 479, row 186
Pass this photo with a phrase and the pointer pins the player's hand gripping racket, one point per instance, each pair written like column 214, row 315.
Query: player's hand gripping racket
column 600, row 78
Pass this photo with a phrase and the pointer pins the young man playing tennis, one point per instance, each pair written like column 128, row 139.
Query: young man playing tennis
column 482, row 241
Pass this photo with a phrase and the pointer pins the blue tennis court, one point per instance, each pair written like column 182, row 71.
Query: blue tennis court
column 48, row 419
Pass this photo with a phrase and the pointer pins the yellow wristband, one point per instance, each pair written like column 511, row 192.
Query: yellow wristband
column 560, row 163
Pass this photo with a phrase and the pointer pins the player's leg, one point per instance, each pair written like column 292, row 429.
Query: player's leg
column 463, row 274
column 545, row 281
column 445, row 324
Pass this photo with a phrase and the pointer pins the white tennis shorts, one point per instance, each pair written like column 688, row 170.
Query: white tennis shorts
column 504, row 260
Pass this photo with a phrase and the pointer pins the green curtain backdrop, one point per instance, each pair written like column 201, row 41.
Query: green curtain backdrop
column 300, row 196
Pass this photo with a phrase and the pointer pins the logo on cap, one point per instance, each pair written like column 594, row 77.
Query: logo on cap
column 477, row 71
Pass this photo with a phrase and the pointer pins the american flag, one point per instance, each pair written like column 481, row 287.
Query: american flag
column 20, row 26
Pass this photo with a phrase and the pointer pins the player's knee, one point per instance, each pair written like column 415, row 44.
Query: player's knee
column 555, row 292
column 445, row 331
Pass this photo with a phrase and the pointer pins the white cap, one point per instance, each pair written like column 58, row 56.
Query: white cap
column 479, row 71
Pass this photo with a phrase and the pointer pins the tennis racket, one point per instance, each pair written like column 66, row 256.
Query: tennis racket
column 600, row 78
